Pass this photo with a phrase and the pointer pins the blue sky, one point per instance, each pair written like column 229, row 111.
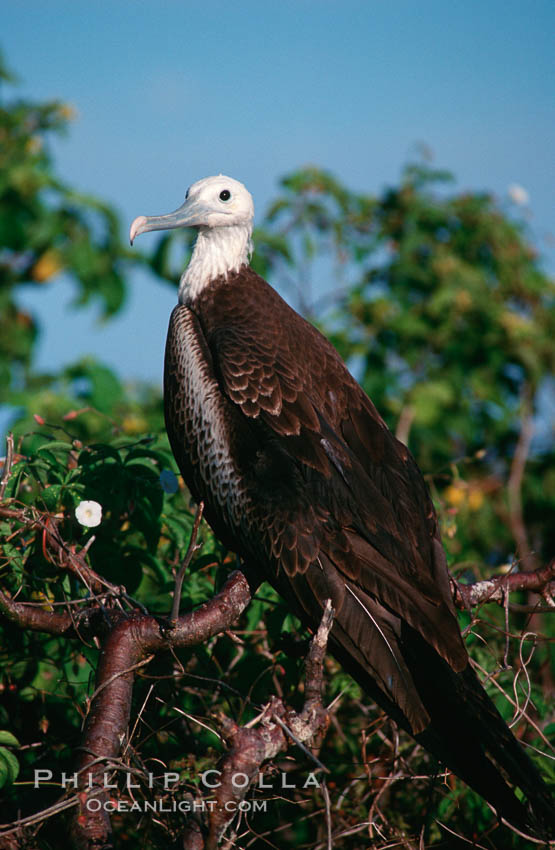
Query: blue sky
column 167, row 92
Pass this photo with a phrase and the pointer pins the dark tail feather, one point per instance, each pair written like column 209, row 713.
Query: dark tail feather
column 469, row 735
column 460, row 725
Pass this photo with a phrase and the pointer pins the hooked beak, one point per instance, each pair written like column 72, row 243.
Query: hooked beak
column 190, row 214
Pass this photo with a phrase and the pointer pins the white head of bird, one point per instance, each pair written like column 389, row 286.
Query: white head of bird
column 222, row 210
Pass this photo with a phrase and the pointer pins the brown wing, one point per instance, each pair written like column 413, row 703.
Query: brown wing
column 345, row 492
column 302, row 478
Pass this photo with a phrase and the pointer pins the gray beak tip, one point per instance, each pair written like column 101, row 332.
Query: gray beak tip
column 136, row 228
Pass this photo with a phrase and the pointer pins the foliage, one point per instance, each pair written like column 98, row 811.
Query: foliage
column 143, row 537
column 442, row 309
column 447, row 320
column 47, row 230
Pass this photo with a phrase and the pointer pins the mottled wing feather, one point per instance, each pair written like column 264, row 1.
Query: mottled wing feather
column 365, row 634
column 367, row 508
column 301, row 477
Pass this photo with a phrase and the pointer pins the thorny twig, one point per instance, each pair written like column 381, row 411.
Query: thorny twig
column 251, row 747
column 491, row 678
column 327, row 802
column 514, row 484
column 493, row 589
column 8, row 461
column 192, row 549
column 496, row 589
column 521, row 712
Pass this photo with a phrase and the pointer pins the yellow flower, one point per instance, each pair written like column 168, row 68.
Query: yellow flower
column 49, row 264
column 134, row 424
column 475, row 499
column 33, row 145
column 463, row 300
column 455, row 494
column 67, row 111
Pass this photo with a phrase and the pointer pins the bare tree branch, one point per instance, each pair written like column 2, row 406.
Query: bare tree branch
column 251, row 747
column 494, row 589
column 131, row 639
column 8, row 461
column 514, row 485
column 192, row 549
column 81, row 623
column 127, row 646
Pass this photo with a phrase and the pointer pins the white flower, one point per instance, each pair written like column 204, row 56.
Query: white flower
column 88, row 514
column 168, row 481
column 518, row 194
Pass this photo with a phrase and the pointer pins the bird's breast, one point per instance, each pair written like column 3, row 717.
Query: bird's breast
column 199, row 422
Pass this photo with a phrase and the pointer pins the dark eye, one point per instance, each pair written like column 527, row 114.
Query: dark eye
column 225, row 195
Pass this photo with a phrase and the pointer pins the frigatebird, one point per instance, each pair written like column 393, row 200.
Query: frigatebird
column 301, row 477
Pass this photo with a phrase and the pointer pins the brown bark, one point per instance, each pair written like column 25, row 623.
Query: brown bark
column 528, row 559
column 494, row 589
column 127, row 646
column 251, row 747
column 130, row 639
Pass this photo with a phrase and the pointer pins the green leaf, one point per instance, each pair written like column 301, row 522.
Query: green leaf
column 9, row 767
column 56, row 445
column 51, row 496
column 8, row 739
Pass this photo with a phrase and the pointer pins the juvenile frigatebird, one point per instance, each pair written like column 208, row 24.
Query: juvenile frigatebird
column 301, row 477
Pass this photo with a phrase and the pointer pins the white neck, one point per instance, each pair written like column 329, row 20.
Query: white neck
column 218, row 250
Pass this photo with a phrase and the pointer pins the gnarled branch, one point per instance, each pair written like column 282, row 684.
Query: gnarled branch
column 277, row 726
column 127, row 647
column 494, row 589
